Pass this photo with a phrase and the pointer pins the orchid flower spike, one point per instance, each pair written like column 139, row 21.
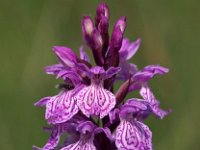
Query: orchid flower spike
column 91, row 106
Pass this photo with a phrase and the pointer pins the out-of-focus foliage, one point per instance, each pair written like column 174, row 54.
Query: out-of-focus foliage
column 170, row 36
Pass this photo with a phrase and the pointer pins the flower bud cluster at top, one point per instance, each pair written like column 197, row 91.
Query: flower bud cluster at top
column 94, row 115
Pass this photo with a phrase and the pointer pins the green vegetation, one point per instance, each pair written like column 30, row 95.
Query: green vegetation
column 170, row 32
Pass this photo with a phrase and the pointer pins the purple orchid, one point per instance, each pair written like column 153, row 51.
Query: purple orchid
column 94, row 99
column 94, row 115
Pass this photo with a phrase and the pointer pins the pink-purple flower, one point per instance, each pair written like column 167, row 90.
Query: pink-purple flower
column 88, row 107
column 95, row 99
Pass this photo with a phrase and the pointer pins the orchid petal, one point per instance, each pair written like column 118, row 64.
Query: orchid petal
column 156, row 69
column 84, row 55
column 61, row 108
column 124, row 47
column 84, row 69
column 127, row 70
column 147, row 94
column 81, row 145
column 85, row 127
column 149, row 72
column 97, row 70
column 65, row 55
column 53, row 140
column 69, row 74
column 134, row 106
column 133, row 48
column 128, row 49
column 42, row 102
column 110, row 72
column 113, row 115
column 134, row 86
column 95, row 100
column 133, row 135
column 54, row 69
column 86, row 137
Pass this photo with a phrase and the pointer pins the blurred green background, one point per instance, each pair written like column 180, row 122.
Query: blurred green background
column 170, row 32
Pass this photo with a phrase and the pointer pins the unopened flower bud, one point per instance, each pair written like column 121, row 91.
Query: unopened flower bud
column 102, row 24
column 93, row 39
column 116, row 43
column 117, row 35
column 87, row 29
column 96, row 47
column 102, row 11
column 121, row 23
column 87, row 25
column 103, row 29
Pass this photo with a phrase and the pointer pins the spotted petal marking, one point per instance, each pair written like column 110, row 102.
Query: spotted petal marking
column 133, row 136
column 61, row 108
column 81, row 145
column 95, row 100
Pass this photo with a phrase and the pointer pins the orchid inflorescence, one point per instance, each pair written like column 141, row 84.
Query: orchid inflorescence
column 93, row 114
